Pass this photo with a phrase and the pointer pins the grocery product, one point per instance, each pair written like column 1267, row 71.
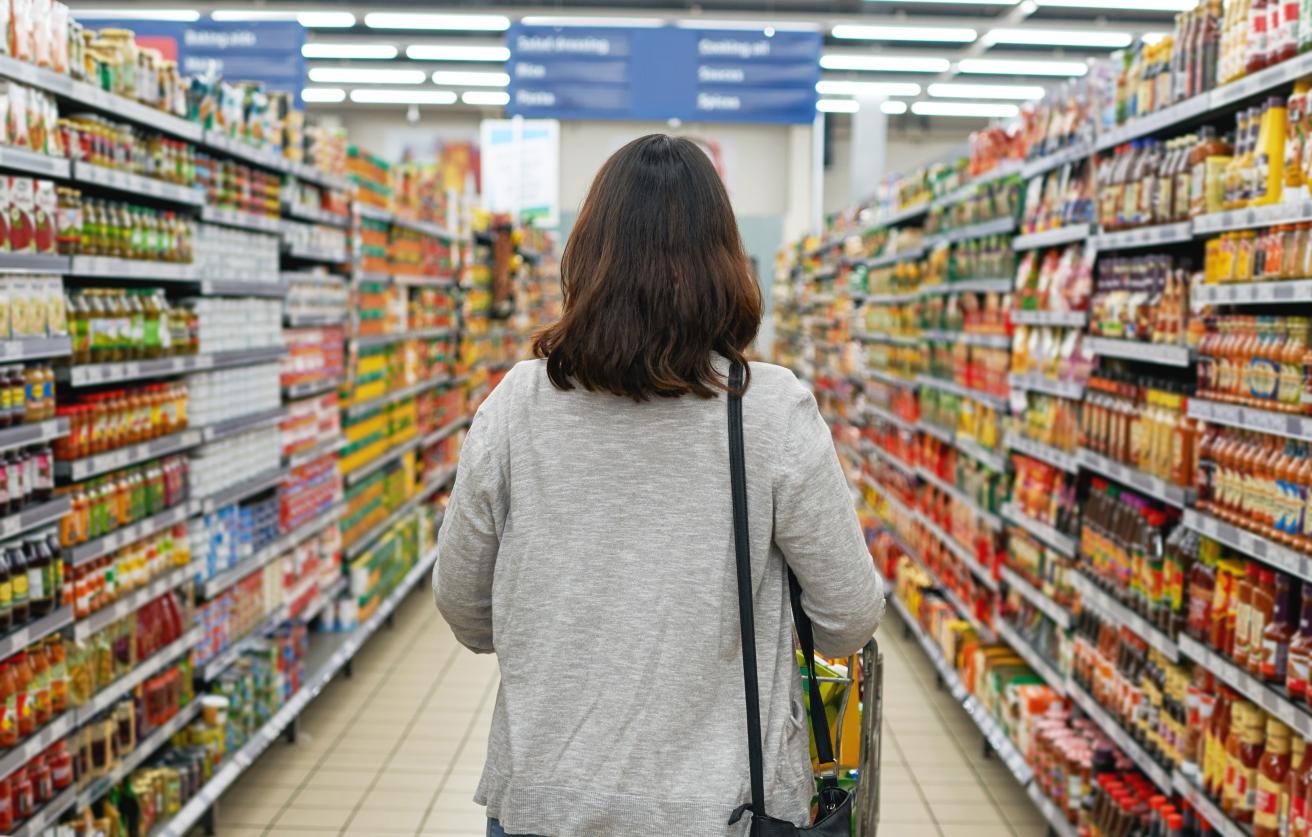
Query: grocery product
column 105, row 504
column 112, row 419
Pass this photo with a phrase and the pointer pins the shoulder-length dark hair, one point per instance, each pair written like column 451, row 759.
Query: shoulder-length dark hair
column 655, row 279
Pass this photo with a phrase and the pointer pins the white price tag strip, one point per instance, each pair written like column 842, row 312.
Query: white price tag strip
column 971, row 448
column 1056, row 819
column 49, row 814
column 1018, row 644
column 42, row 164
column 1144, row 237
column 1063, row 544
column 1117, row 733
column 1140, row 351
column 1113, row 611
column 1046, row 453
column 1056, row 159
column 1051, row 238
column 997, row 226
column 100, row 619
column 1071, row 319
column 18, row 640
column 1266, row 421
column 1034, row 596
column 1154, row 122
column 1208, row 809
column 1044, row 384
column 1147, row 483
column 1242, row 681
column 1279, row 556
column 43, row 738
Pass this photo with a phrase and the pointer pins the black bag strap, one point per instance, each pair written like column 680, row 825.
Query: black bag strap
column 746, row 622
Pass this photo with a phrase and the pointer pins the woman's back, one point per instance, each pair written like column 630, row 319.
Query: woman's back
column 588, row 540
column 613, row 605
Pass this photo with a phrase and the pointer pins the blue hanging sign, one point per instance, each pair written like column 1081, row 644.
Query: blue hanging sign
column 663, row 73
column 267, row 52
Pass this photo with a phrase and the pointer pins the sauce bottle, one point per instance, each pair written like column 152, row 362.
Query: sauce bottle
column 1214, row 745
column 40, row 686
column 58, row 675
column 1271, row 774
column 1243, row 615
column 41, row 575
column 1297, row 787
column 23, row 686
column 8, row 706
column 1261, row 613
column 6, row 595
column 1278, row 635
column 18, row 574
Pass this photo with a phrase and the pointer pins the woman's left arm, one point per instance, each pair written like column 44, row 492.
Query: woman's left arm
column 468, row 541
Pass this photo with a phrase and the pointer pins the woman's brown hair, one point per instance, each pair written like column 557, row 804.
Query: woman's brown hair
column 655, row 279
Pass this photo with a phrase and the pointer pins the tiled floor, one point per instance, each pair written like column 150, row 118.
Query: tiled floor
column 397, row 749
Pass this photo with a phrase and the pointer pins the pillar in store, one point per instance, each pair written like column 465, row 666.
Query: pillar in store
column 868, row 147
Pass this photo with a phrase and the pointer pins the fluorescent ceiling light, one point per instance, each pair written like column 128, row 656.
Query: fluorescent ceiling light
column 1008, row 67
column 1060, row 37
column 365, row 75
column 414, row 20
column 885, row 63
column 457, row 79
column 586, row 20
column 311, row 20
column 893, row 108
column 456, row 52
column 367, row 96
column 179, row 15
column 1020, row 92
column 749, row 25
column 369, row 51
column 1129, row 5
column 491, row 98
column 841, row 87
column 838, row 106
column 323, row 94
column 941, row 34
column 326, row 20
column 962, row 109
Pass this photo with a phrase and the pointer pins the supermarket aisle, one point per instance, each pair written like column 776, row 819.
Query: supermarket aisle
column 398, row 749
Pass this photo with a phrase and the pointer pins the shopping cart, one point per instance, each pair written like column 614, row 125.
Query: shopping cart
column 853, row 695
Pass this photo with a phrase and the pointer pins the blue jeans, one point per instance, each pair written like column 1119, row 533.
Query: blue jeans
column 494, row 829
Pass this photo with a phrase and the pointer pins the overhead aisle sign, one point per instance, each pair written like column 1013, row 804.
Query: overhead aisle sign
column 268, row 52
column 661, row 73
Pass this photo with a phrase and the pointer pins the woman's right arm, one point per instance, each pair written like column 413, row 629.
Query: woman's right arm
column 816, row 527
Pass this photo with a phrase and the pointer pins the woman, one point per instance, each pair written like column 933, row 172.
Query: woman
column 589, row 542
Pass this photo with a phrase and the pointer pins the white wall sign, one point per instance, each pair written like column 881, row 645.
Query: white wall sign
column 521, row 169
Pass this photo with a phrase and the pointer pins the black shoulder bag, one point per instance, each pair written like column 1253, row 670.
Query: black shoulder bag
column 834, row 818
